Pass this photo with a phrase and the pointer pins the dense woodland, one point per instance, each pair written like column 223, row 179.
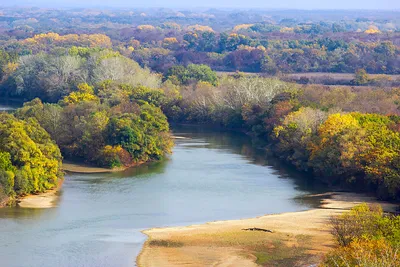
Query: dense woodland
column 110, row 87
column 264, row 41
column 30, row 161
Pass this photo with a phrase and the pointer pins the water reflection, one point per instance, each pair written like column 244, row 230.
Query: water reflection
column 240, row 144
column 20, row 213
column 143, row 171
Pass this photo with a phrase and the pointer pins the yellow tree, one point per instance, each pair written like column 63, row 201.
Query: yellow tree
column 85, row 93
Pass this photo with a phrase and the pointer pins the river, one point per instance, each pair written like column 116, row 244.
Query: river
column 9, row 105
column 211, row 175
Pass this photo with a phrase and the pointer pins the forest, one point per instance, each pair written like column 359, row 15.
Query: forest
column 113, row 93
column 102, row 86
column 271, row 42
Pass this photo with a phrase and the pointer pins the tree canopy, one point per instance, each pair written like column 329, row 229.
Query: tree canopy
column 30, row 162
column 122, row 131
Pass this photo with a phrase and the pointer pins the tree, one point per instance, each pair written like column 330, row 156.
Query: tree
column 85, row 93
column 51, row 77
column 30, row 162
column 334, row 152
column 46, row 76
column 296, row 133
column 192, row 74
column 122, row 70
column 361, row 77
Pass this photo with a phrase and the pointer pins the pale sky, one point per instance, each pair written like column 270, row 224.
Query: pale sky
column 281, row 4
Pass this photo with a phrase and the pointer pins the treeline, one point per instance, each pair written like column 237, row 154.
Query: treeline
column 30, row 162
column 231, row 51
column 359, row 78
column 22, row 21
column 238, row 52
column 50, row 76
column 225, row 41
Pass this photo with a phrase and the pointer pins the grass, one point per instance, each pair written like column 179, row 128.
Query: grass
column 270, row 249
column 280, row 254
column 165, row 243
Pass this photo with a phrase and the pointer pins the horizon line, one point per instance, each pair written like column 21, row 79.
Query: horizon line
column 67, row 6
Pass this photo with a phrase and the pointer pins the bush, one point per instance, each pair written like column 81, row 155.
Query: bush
column 366, row 237
column 365, row 253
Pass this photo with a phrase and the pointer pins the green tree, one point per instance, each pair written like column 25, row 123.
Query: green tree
column 192, row 73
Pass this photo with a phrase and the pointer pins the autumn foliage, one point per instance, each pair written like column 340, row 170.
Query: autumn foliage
column 111, row 130
column 366, row 237
column 51, row 38
column 30, row 162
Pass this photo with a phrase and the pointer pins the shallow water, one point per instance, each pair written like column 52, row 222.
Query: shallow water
column 211, row 175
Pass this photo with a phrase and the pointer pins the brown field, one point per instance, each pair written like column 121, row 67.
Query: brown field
column 337, row 76
column 316, row 75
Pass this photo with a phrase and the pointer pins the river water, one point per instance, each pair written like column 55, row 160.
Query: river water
column 211, row 175
column 8, row 105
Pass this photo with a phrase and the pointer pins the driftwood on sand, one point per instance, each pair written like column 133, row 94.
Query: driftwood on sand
column 258, row 229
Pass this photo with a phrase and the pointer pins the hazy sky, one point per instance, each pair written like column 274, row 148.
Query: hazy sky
column 285, row 4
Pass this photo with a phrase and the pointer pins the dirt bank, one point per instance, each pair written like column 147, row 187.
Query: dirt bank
column 297, row 238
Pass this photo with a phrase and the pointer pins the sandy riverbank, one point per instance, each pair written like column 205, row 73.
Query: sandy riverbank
column 69, row 166
column 49, row 198
column 297, row 238
column 40, row 201
column 44, row 200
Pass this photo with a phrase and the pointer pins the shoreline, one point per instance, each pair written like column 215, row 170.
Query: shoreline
column 295, row 238
column 79, row 167
column 49, row 198
column 43, row 200
column 84, row 168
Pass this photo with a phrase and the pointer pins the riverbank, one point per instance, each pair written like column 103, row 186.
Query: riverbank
column 296, row 239
column 49, row 198
column 75, row 167
column 44, row 200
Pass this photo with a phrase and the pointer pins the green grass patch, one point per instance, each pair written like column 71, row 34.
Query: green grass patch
column 165, row 243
